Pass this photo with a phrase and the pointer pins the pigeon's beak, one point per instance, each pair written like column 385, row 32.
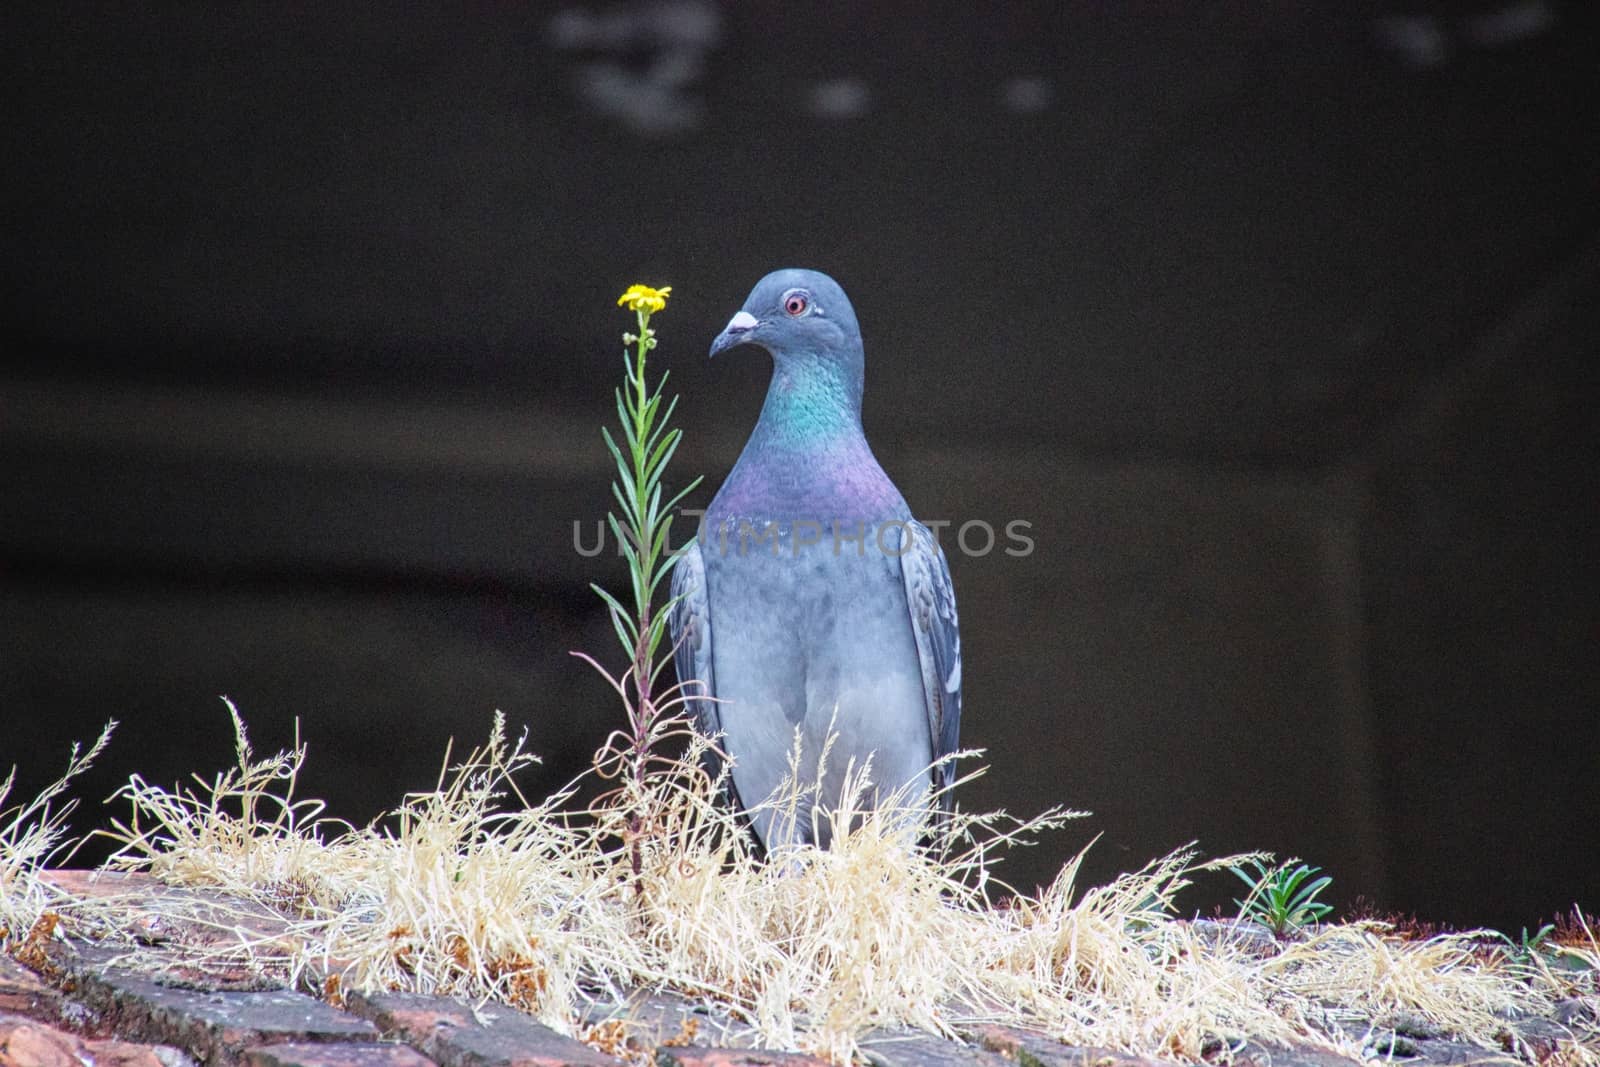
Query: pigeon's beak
column 737, row 332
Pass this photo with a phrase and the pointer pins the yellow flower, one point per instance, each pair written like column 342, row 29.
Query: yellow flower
column 643, row 298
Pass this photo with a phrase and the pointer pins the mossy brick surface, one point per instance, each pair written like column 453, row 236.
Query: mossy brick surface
column 216, row 1026
column 915, row 1049
column 702, row 1056
column 363, row 1054
column 652, row 1019
column 1030, row 1049
column 457, row 1034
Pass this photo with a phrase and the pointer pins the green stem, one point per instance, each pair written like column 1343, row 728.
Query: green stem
column 640, row 489
column 644, row 544
column 644, row 708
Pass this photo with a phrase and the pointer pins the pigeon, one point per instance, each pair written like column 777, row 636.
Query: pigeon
column 811, row 607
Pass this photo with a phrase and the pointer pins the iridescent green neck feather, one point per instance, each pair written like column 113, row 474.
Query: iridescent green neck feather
column 811, row 404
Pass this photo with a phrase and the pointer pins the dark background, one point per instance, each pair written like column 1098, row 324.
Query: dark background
column 1276, row 321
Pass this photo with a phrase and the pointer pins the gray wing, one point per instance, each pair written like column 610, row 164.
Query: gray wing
column 690, row 626
column 932, row 603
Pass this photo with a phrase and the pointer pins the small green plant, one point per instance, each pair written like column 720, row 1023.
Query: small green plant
column 1281, row 898
column 642, row 527
column 1529, row 946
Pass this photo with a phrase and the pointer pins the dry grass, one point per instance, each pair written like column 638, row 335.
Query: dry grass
column 33, row 835
column 471, row 889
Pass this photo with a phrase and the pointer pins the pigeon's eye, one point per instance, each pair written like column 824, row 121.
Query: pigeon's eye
column 795, row 302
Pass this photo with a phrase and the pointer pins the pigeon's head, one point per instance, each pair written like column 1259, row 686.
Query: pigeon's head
column 796, row 313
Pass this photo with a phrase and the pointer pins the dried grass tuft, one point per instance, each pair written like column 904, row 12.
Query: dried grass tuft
column 470, row 889
column 33, row 835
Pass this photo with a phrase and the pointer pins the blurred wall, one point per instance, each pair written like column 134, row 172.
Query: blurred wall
column 1278, row 328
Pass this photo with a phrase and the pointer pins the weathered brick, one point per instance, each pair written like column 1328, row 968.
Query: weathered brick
column 1439, row 1053
column 213, row 1025
column 30, row 1043
column 1387, row 1047
column 456, row 1035
column 188, row 921
column 1036, row 1050
column 1254, row 1054
column 157, row 913
column 36, row 1045
column 917, row 1049
column 1578, row 1011
column 701, row 1056
column 364, row 1054
column 25, row 993
column 660, row 1018
column 1251, row 937
column 1004, row 1040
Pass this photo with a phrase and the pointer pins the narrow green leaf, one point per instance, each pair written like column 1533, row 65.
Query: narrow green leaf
column 625, row 415
column 625, row 543
column 663, row 531
column 640, row 600
column 630, row 554
column 664, row 572
column 616, row 453
column 657, row 630
column 616, row 607
column 663, row 452
column 685, row 491
column 624, row 473
column 653, row 512
column 666, row 421
column 1311, row 891
column 626, row 503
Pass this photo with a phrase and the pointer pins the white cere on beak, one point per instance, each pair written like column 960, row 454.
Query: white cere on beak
column 743, row 320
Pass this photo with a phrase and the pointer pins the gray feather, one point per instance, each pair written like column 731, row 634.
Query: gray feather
column 690, row 630
column 931, row 600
